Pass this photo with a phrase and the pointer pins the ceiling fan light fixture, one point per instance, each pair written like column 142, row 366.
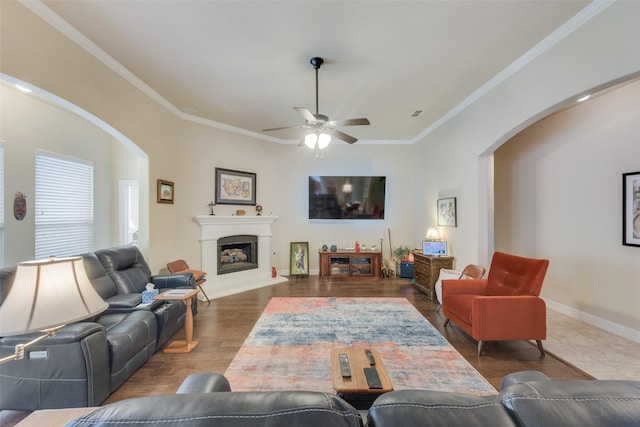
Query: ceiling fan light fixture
column 310, row 140
column 323, row 140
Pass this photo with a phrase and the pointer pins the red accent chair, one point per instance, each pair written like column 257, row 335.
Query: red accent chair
column 504, row 306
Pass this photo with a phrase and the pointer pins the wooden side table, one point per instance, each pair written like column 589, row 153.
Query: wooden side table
column 186, row 296
column 426, row 271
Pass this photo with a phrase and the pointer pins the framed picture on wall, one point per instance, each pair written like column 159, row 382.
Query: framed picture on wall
column 631, row 209
column 235, row 187
column 165, row 191
column 299, row 259
column 447, row 215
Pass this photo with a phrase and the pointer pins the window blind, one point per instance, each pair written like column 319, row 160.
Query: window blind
column 63, row 206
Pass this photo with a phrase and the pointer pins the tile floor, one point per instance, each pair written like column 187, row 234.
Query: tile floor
column 599, row 353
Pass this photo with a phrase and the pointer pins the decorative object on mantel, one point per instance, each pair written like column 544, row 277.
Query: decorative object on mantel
column 447, row 215
column 241, row 212
column 631, row 209
column 259, row 210
column 334, row 248
column 235, row 187
column 325, row 248
column 165, row 191
column 19, row 206
column 211, row 205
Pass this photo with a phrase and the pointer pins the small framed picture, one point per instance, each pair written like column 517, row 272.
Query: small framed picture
column 165, row 191
column 447, row 216
column 235, row 187
column 299, row 260
column 631, row 209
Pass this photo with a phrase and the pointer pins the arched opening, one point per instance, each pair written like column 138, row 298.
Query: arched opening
column 40, row 120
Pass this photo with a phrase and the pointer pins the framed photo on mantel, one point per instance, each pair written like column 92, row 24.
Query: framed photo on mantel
column 235, row 187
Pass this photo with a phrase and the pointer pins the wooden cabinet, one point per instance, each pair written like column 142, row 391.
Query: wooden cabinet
column 350, row 265
column 426, row 272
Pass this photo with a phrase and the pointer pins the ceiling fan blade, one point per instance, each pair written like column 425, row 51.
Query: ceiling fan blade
column 350, row 122
column 286, row 127
column 341, row 135
column 306, row 114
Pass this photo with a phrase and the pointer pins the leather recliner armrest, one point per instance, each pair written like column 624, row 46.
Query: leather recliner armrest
column 178, row 280
column 70, row 333
column 204, row 382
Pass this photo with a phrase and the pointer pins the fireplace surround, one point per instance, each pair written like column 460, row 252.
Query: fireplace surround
column 214, row 229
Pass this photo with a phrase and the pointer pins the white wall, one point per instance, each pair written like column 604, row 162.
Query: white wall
column 28, row 124
column 558, row 193
column 282, row 188
column 454, row 156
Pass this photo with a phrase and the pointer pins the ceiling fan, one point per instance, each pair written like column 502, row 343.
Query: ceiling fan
column 322, row 129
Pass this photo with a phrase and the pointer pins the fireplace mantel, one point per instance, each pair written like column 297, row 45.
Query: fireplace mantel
column 214, row 227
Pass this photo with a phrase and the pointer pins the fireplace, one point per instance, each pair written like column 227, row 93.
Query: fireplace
column 237, row 253
column 217, row 227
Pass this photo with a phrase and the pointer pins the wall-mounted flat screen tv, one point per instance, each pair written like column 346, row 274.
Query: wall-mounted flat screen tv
column 347, row 197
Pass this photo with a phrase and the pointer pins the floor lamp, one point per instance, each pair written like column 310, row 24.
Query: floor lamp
column 46, row 295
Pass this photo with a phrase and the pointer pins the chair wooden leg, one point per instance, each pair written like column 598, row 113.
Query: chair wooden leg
column 446, row 322
column 480, row 344
column 542, row 353
column 205, row 294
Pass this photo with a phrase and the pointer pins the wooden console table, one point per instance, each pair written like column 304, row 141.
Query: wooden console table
column 426, row 271
column 350, row 265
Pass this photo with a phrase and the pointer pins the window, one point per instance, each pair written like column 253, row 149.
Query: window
column 128, row 212
column 1, row 204
column 63, row 205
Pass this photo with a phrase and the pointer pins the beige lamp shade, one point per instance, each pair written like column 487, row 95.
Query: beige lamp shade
column 48, row 293
column 432, row 234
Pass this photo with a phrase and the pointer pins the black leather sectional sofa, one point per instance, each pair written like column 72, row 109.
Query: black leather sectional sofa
column 526, row 399
column 86, row 361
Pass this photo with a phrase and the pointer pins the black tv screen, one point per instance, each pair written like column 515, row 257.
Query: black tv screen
column 347, row 197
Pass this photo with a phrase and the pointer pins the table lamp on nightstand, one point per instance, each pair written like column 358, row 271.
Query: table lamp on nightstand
column 46, row 295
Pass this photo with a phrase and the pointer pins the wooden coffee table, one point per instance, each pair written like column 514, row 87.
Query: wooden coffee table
column 355, row 389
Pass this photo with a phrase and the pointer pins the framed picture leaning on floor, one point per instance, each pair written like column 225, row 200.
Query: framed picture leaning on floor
column 299, row 259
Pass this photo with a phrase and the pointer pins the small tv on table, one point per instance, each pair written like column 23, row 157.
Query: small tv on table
column 434, row 248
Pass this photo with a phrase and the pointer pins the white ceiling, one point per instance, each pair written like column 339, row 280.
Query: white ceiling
column 245, row 64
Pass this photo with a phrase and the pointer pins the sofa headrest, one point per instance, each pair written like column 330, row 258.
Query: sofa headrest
column 574, row 403
column 436, row 408
column 247, row 409
column 126, row 267
column 101, row 281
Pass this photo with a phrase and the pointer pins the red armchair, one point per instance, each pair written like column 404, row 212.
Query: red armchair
column 504, row 306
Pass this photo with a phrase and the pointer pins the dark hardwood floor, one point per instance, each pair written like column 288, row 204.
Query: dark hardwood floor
column 221, row 328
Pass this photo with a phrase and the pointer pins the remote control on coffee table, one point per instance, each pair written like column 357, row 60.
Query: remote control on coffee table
column 368, row 377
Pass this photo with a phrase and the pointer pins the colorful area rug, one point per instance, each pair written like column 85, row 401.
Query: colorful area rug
column 289, row 347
